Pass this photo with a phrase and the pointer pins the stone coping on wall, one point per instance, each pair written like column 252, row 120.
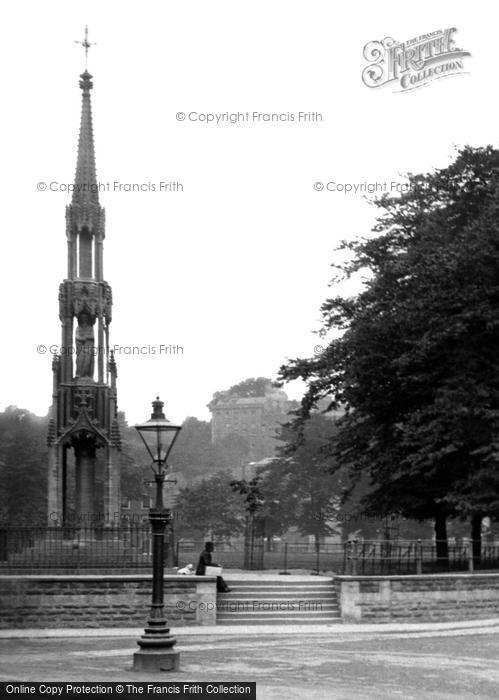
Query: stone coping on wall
column 415, row 577
column 103, row 577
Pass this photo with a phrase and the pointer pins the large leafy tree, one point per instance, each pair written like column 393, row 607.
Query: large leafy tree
column 296, row 490
column 416, row 362
column 209, row 508
column 23, row 468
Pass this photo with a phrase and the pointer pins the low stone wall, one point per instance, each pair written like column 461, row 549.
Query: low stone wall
column 102, row 600
column 426, row 598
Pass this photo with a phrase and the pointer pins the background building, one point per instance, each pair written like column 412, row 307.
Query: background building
column 257, row 419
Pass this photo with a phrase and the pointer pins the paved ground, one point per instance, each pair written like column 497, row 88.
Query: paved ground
column 327, row 663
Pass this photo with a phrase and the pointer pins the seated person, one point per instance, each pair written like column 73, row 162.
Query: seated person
column 205, row 559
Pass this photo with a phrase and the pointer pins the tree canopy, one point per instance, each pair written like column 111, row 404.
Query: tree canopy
column 298, row 490
column 23, row 468
column 416, row 365
column 248, row 388
column 210, row 508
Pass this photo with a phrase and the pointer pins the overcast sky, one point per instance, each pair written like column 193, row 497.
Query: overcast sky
column 235, row 267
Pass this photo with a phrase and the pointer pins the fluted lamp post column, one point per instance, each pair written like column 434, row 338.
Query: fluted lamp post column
column 156, row 644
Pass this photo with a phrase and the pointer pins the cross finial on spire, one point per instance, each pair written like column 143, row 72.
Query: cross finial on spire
column 86, row 45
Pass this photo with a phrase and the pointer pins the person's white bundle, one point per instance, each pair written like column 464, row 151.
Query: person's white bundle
column 186, row 570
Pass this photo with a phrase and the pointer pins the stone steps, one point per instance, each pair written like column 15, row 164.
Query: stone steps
column 281, row 620
column 280, row 595
column 278, row 602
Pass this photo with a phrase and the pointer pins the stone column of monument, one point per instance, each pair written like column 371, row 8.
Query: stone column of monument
column 83, row 415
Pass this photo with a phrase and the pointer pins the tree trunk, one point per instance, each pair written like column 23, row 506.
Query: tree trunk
column 441, row 540
column 317, row 543
column 248, row 544
column 476, row 537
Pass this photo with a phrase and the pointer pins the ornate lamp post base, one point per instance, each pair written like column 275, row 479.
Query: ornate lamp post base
column 156, row 649
column 159, row 658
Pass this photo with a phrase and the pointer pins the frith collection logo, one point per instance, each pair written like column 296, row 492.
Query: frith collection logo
column 414, row 63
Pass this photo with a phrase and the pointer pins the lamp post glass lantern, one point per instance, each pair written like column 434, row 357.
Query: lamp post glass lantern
column 156, row 645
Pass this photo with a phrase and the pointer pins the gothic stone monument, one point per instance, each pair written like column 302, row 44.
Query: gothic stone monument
column 83, row 415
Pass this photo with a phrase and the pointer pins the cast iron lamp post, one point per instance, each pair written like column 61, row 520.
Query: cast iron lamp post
column 156, row 645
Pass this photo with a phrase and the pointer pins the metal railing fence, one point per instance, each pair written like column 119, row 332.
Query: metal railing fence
column 129, row 547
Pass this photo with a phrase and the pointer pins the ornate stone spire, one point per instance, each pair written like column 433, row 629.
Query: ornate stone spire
column 85, row 207
column 84, row 414
column 85, row 218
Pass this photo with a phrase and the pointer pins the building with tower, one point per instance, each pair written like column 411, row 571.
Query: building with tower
column 83, row 415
